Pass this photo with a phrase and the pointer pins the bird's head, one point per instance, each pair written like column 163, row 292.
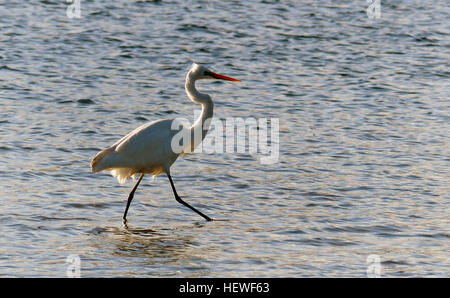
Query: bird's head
column 199, row 72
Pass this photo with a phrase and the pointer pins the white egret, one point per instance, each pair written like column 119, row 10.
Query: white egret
column 148, row 148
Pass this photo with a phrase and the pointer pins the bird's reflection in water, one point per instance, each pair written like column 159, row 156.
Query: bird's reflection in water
column 154, row 246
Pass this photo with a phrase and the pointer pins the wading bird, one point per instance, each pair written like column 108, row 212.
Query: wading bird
column 148, row 149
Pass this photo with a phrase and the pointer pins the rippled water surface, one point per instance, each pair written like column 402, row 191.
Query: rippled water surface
column 364, row 138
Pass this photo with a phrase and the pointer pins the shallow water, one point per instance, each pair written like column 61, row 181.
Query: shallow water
column 364, row 138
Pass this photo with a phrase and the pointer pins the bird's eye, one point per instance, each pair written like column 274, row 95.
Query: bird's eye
column 207, row 73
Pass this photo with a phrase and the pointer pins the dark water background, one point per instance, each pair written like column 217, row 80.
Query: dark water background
column 364, row 138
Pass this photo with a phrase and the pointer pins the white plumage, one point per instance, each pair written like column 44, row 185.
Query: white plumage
column 148, row 150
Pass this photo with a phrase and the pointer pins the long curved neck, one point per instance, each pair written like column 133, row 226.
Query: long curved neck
column 201, row 125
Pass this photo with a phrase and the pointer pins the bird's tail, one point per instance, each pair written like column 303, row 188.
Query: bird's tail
column 98, row 163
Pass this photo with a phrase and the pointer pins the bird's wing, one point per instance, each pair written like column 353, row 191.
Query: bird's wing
column 147, row 145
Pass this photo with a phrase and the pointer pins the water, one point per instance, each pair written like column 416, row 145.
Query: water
column 364, row 138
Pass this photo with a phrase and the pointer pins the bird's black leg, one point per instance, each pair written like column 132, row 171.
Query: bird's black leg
column 130, row 197
column 179, row 200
